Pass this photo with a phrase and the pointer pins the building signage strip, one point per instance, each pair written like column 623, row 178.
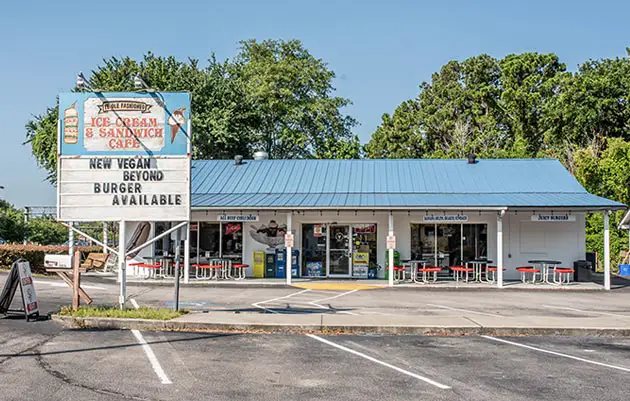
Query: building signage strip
column 449, row 218
column 243, row 218
column 554, row 217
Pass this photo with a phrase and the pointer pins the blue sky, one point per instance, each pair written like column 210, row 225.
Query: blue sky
column 380, row 50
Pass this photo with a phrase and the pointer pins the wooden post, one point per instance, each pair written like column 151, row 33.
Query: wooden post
column 76, row 280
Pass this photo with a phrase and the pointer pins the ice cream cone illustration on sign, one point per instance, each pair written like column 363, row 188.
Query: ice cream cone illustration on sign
column 176, row 120
column 71, row 124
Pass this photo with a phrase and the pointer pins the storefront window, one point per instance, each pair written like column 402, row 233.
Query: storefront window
column 363, row 249
column 448, row 244
column 209, row 240
column 314, row 250
column 163, row 244
column 232, row 241
column 216, row 240
column 422, row 241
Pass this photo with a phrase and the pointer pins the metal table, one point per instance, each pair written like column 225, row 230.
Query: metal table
column 477, row 264
column 163, row 260
column 414, row 265
column 545, row 265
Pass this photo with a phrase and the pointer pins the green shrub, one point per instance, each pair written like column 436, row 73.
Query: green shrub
column 35, row 254
column 113, row 311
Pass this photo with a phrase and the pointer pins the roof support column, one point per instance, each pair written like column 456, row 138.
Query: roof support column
column 187, row 253
column 607, row 250
column 390, row 263
column 288, row 260
column 500, row 248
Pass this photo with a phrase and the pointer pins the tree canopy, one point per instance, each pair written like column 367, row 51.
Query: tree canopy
column 273, row 96
column 524, row 105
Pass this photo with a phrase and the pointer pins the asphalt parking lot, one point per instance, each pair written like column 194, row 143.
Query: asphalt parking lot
column 43, row 361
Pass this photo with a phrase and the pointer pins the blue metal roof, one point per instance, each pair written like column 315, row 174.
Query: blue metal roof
column 388, row 183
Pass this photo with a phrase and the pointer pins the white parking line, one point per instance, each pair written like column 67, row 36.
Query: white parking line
column 462, row 310
column 317, row 301
column 134, row 303
column 258, row 304
column 54, row 284
column 584, row 311
column 369, row 358
column 557, row 354
column 157, row 368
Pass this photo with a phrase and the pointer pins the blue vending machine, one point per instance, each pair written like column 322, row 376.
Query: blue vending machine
column 281, row 263
column 295, row 263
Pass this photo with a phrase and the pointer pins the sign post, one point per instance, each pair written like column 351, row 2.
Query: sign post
column 177, row 253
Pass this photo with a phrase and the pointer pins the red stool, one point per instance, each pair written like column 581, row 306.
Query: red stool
column 562, row 275
column 493, row 270
column 151, row 269
column 206, row 271
column 426, row 270
column 525, row 270
column 459, row 272
column 239, row 268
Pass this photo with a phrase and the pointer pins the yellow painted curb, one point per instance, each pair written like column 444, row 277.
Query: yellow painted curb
column 336, row 286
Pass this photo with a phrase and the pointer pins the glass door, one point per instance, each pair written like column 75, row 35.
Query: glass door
column 339, row 251
column 449, row 246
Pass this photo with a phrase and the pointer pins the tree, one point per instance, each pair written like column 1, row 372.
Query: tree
column 528, row 83
column 292, row 94
column 398, row 136
column 11, row 222
column 46, row 231
column 590, row 105
column 604, row 170
column 490, row 107
column 274, row 96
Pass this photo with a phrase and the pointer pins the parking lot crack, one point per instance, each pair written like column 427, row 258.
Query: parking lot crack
column 58, row 375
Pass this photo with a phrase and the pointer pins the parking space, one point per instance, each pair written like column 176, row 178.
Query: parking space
column 107, row 365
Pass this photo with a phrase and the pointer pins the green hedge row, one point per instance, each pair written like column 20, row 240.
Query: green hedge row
column 35, row 254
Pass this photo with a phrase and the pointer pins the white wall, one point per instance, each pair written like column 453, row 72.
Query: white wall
column 523, row 239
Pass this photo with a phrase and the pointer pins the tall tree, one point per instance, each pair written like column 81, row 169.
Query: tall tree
column 482, row 105
column 292, row 93
column 274, row 96
column 528, row 82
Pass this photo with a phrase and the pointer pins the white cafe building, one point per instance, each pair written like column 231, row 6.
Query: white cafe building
column 341, row 213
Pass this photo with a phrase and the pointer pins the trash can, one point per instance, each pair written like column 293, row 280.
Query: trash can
column 396, row 262
column 582, row 270
column 624, row 270
column 372, row 271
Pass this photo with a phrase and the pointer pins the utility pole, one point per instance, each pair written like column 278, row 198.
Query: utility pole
column 26, row 213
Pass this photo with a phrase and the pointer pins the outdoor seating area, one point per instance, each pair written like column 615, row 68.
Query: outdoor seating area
column 481, row 271
column 163, row 267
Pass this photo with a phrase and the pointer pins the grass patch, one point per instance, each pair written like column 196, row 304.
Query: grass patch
column 111, row 311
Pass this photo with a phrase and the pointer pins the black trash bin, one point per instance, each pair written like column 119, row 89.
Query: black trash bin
column 582, row 270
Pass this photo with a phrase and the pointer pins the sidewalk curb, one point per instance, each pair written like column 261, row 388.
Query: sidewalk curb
column 171, row 325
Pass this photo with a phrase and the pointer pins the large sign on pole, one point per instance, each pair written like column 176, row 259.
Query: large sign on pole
column 124, row 156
